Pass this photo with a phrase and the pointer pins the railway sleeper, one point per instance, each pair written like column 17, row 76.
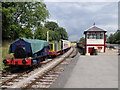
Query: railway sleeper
column 40, row 86
column 10, row 83
column 46, row 80
column 4, row 87
column 33, row 79
column 51, row 75
column 43, row 83
column 57, row 73
column 65, row 63
column 16, row 80
column 5, row 78
column 25, row 75
column 21, row 77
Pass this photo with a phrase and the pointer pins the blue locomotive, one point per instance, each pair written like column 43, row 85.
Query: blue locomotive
column 28, row 52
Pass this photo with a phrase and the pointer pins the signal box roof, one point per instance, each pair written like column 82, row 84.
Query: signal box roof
column 94, row 29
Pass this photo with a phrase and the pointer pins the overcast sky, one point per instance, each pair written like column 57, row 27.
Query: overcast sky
column 76, row 17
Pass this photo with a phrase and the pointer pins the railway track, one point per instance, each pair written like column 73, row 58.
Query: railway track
column 12, row 77
column 9, row 78
column 45, row 79
column 48, row 78
column 8, row 71
column 5, row 72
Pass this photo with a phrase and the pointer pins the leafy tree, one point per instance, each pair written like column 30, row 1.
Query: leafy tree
column 26, row 32
column 51, row 25
column 56, row 32
column 54, row 35
column 117, row 37
column 63, row 34
column 111, row 38
column 114, row 38
column 18, row 16
column 41, row 33
column 7, row 21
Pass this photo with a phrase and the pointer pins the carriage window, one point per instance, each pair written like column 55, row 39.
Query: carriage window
column 55, row 47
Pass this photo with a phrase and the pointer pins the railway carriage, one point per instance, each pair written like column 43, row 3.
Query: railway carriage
column 27, row 52
column 58, row 47
column 65, row 44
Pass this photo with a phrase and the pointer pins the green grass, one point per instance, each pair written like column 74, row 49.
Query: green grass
column 4, row 49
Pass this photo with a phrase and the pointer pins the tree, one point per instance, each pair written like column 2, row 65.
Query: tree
column 51, row 25
column 25, row 32
column 82, row 40
column 111, row 38
column 41, row 33
column 63, row 34
column 56, row 32
column 114, row 38
column 8, row 25
column 117, row 37
column 18, row 16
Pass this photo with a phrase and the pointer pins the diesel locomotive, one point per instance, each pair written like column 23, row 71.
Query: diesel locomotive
column 58, row 47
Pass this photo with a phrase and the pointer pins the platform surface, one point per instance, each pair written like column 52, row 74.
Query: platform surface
column 100, row 71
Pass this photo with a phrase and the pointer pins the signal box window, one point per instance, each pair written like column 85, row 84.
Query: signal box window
column 95, row 36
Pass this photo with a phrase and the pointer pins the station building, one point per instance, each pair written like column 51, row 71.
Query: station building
column 95, row 37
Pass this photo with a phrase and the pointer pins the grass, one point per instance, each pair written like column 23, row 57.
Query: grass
column 4, row 55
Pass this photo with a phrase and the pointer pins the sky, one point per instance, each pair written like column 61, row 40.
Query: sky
column 76, row 17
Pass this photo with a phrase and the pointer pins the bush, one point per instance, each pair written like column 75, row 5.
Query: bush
column 4, row 49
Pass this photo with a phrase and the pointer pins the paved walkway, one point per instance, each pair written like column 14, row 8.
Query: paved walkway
column 99, row 71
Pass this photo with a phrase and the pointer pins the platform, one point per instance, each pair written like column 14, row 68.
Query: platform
column 100, row 71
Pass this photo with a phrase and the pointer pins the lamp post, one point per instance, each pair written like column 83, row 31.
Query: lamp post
column 47, row 36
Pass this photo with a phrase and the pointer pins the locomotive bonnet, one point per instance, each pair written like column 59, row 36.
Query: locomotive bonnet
column 23, row 47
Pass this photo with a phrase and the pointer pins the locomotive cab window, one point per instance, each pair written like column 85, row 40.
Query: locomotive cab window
column 51, row 46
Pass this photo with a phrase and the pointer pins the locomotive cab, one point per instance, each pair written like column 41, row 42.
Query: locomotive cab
column 21, row 49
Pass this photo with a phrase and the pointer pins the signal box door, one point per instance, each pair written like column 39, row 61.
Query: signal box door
column 90, row 50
